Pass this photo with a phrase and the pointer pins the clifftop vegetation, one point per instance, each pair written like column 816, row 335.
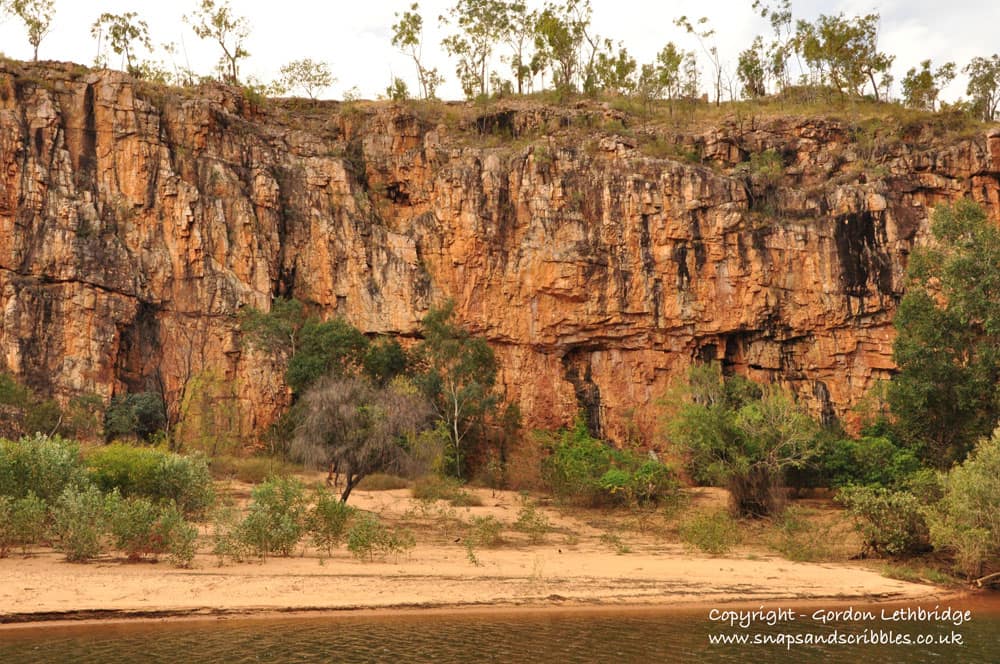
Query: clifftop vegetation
column 512, row 48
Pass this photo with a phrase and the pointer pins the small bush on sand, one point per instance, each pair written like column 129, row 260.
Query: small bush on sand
column 368, row 538
column 966, row 521
column 615, row 542
column 142, row 528
column 586, row 471
column 80, row 522
column 891, row 523
column 328, row 520
column 252, row 470
column 155, row 474
column 437, row 487
column 276, row 518
column 22, row 522
column 40, row 465
column 711, row 532
column 383, row 482
column 486, row 531
column 532, row 522
column 226, row 542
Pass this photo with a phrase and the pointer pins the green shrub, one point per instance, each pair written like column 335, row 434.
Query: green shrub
column 742, row 436
column 926, row 485
column 615, row 542
column 485, row 531
column 532, row 522
column 182, row 537
column 465, row 498
column 142, row 528
column 252, row 470
column 43, row 416
column 22, row 522
column 138, row 415
column 328, row 520
column 29, row 521
column 276, row 518
column 650, row 481
column 438, row 487
column 226, row 542
column 966, row 521
column 25, row 412
column 186, row 481
column 80, row 522
column 586, row 471
column 133, row 526
column 129, row 469
column 155, row 474
column 435, row 487
column 40, row 465
column 711, row 532
column 872, row 460
column 7, row 536
column 383, row 482
column 576, row 464
column 890, row 522
column 12, row 393
column 368, row 538
column 796, row 538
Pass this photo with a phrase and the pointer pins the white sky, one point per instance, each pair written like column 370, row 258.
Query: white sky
column 354, row 37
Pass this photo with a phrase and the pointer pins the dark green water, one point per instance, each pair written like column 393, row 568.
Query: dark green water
column 535, row 636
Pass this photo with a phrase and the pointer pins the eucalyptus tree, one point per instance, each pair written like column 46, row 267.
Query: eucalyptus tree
column 408, row 37
column 36, row 15
column 984, row 85
column 308, row 75
column 844, row 52
column 215, row 21
column 123, row 32
column 922, row 87
column 478, row 25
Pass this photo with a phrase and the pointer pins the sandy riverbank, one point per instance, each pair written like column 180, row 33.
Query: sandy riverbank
column 565, row 570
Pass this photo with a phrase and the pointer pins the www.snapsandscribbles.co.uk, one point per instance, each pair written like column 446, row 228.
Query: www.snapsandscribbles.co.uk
column 838, row 627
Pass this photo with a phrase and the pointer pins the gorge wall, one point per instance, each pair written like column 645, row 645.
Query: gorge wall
column 587, row 246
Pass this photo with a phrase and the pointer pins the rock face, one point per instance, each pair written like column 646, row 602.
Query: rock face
column 135, row 222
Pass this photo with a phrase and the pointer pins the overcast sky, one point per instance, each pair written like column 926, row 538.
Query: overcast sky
column 354, row 37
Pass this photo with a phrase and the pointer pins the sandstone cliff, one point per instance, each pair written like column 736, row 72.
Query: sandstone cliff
column 600, row 255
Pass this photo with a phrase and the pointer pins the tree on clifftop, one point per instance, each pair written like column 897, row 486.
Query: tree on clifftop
column 307, row 75
column 408, row 37
column 37, row 17
column 216, row 22
column 984, row 86
column 922, row 87
column 122, row 31
column 844, row 52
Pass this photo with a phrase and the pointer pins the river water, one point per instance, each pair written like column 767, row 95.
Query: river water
column 550, row 635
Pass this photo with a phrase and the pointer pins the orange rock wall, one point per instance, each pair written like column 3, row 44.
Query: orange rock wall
column 135, row 222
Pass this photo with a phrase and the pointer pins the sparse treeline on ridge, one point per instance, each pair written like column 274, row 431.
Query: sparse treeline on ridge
column 502, row 48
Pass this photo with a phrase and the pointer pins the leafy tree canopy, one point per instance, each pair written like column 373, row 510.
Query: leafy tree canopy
column 948, row 338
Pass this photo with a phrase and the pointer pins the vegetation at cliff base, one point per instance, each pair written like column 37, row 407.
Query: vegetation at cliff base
column 948, row 344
